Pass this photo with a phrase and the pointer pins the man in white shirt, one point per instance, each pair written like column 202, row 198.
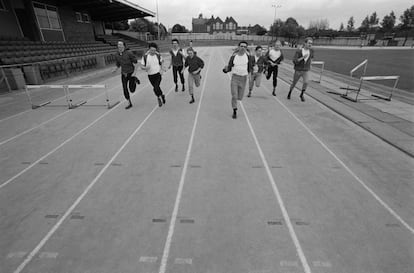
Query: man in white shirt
column 241, row 65
column 152, row 63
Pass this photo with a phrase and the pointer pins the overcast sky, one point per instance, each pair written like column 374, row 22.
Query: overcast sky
column 262, row 12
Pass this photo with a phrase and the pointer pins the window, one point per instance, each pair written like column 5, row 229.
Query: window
column 85, row 17
column 217, row 25
column 47, row 16
column 2, row 6
column 78, row 16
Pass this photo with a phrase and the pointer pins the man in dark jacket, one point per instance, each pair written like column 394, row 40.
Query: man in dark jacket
column 302, row 62
column 241, row 65
column 126, row 60
column 274, row 57
column 194, row 64
column 177, row 63
column 255, row 76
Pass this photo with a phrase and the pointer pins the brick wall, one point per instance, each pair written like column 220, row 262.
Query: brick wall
column 75, row 31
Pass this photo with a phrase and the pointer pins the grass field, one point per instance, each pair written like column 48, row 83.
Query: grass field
column 381, row 62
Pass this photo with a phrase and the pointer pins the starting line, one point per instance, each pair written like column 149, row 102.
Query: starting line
column 66, row 89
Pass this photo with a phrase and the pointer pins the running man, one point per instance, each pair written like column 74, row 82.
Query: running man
column 152, row 63
column 240, row 64
column 177, row 63
column 126, row 60
column 302, row 62
column 274, row 56
column 255, row 76
column 194, row 64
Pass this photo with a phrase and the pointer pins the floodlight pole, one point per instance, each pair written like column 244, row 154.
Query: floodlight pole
column 158, row 22
column 274, row 18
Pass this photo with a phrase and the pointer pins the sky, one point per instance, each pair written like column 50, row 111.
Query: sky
column 262, row 12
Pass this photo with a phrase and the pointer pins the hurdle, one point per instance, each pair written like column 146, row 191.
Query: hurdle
column 73, row 105
column 322, row 64
column 51, row 86
column 364, row 64
column 4, row 79
column 375, row 78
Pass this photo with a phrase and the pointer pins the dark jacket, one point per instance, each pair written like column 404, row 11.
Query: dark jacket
column 302, row 65
column 277, row 61
column 177, row 60
column 261, row 62
column 193, row 63
column 125, row 61
column 250, row 63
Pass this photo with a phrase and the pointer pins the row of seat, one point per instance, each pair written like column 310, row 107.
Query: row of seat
column 10, row 54
column 28, row 42
column 46, row 47
column 57, row 68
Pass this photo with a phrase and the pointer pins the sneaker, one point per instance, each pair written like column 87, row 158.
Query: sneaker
column 249, row 95
column 234, row 114
column 163, row 98
column 183, row 89
column 176, row 87
column 159, row 102
column 192, row 100
column 274, row 92
column 302, row 98
column 128, row 106
column 288, row 96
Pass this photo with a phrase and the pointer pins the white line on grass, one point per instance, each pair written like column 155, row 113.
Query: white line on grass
column 80, row 198
column 47, row 121
column 390, row 210
column 171, row 228
column 63, row 143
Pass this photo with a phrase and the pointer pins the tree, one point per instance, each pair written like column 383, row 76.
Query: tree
column 373, row 20
column 341, row 27
column 177, row 28
column 276, row 28
column 388, row 22
column 351, row 23
column 140, row 25
column 364, row 25
column 407, row 18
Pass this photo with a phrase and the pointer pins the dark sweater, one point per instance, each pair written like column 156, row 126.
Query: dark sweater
column 177, row 60
column 193, row 63
column 125, row 61
column 302, row 65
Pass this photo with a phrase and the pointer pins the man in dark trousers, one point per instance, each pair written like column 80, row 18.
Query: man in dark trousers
column 255, row 76
column 152, row 63
column 241, row 65
column 126, row 60
column 302, row 62
column 194, row 64
column 177, row 63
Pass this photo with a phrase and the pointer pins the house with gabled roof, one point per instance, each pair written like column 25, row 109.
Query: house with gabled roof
column 214, row 25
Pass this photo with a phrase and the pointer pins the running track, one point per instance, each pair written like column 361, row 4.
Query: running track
column 287, row 187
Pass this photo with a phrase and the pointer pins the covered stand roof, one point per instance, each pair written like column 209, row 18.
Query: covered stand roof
column 109, row 10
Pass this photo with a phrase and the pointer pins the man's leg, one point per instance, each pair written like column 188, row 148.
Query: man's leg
column 251, row 83
column 191, row 86
column 258, row 79
column 241, row 87
column 305, row 77
column 296, row 77
column 126, row 92
column 155, row 82
column 175, row 70
column 233, row 90
column 181, row 72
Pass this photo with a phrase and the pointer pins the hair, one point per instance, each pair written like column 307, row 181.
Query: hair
column 175, row 40
column 123, row 42
column 277, row 41
column 242, row 42
column 190, row 49
column 258, row 47
column 153, row 45
column 308, row 39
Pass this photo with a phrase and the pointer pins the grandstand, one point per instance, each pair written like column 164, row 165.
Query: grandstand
column 56, row 38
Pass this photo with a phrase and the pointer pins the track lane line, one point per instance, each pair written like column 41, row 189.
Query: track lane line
column 356, row 177
column 39, row 246
column 65, row 142
column 171, row 228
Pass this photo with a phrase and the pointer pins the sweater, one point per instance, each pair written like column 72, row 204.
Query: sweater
column 302, row 65
column 193, row 63
column 125, row 61
column 177, row 60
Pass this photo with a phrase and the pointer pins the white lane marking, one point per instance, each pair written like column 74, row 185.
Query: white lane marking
column 48, row 255
column 183, row 261
column 63, row 143
column 19, row 254
column 276, row 191
column 390, row 210
column 171, row 228
column 47, row 121
column 80, row 198
column 146, row 259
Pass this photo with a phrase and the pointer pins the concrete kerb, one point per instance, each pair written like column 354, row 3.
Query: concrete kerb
column 381, row 130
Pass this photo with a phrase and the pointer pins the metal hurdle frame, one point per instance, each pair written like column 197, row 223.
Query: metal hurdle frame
column 87, row 86
column 351, row 74
column 35, row 106
column 4, row 78
column 322, row 63
column 375, row 78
